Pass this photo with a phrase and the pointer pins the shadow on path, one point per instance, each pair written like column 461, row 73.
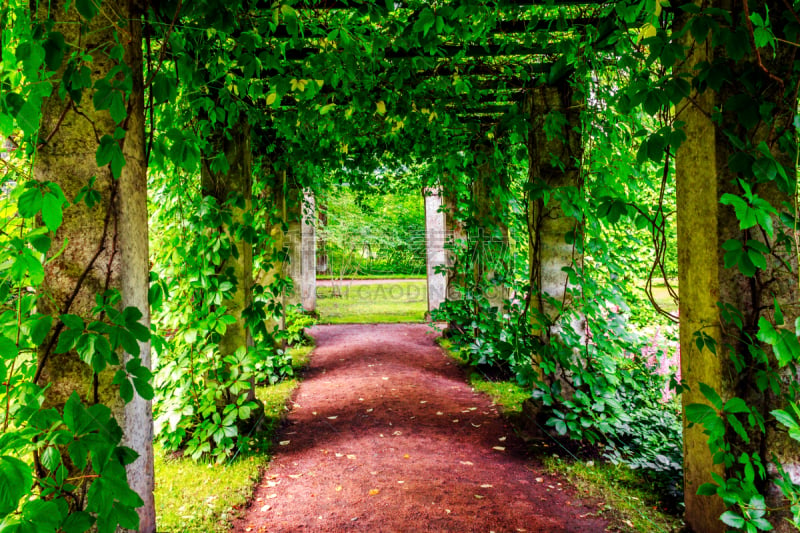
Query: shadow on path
column 384, row 435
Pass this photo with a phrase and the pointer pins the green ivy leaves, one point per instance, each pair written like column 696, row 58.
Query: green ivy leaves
column 47, row 198
column 751, row 209
column 16, row 481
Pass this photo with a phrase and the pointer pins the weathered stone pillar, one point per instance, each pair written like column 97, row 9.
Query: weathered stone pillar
column 107, row 243
column 308, row 276
column 272, row 269
column 489, row 233
column 707, row 167
column 455, row 237
column 294, row 245
column 554, row 169
column 434, row 249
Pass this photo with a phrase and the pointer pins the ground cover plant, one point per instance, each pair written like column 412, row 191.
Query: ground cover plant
column 205, row 496
column 158, row 160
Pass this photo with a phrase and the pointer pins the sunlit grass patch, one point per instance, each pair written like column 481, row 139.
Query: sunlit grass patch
column 508, row 395
column 371, row 303
column 625, row 499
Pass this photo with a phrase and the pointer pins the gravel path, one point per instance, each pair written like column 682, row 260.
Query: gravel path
column 385, row 435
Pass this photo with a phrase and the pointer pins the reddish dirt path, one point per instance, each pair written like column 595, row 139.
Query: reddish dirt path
column 385, row 435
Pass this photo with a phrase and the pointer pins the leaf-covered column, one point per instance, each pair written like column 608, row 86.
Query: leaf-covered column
column 554, row 151
column 93, row 149
column 228, row 179
column 455, row 236
column 272, row 270
column 738, row 266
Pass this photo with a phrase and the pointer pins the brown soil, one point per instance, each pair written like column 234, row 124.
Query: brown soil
column 385, row 435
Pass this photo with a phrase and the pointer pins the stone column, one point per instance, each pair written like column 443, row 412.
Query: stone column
column 293, row 266
column 272, row 269
column 489, row 232
column 551, row 232
column 455, row 234
column 308, row 276
column 434, row 249
column 107, row 244
column 707, row 167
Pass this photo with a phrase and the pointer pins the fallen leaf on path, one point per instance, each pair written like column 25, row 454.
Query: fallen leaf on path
column 447, row 511
column 270, row 496
column 314, row 413
column 439, row 413
column 266, row 508
column 332, row 417
column 381, row 435
column 370, row 410
column 539, row 480
column 295, row 476
column 339, row 455
column 406, row 456
column 475, row 425
column 401, row 482
column 501, row 439
column 423, row 401
column 339, row 488
column 284, row 442
column 385, row 379
column 272, row 483
column 478, row 497
column 486, row 486
column 499, row 448
column 473, row 408
column 455, row 421
column 373, row 492
column 467, row 463
column 351, row 456
column 397, row 433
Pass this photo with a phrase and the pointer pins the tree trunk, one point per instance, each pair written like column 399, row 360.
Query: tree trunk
column 107, row 243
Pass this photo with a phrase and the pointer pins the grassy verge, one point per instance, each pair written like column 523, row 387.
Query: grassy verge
column 380, row 302
column 203, row 497
column 624, row 495
column 625, row 499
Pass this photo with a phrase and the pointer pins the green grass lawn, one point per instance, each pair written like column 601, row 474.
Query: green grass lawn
column 374, row 276
column 662, row 296
column 380, row 302
column 197, row 497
